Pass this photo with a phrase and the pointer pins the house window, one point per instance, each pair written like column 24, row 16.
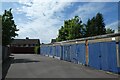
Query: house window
column 33, row 44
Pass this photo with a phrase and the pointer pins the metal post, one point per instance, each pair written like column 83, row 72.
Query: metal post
column 86, row 47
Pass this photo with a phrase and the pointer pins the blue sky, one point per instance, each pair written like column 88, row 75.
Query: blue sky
column 42, row 20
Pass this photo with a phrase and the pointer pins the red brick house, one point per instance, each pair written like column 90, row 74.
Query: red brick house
column 24, row 45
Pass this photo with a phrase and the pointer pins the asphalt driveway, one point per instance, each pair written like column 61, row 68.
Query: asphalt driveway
column 37, row 66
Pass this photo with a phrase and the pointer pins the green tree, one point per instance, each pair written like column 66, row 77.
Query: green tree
column 100, row 25
column 63, row 33
column 1, row 21
column 72, row 29
column 76, row 29
column 90, row 27
column 0, row 29
column 109, row 30
column 87, row 28
column 95, row 26
column 8, row 27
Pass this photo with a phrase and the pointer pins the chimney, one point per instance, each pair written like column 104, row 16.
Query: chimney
column 27, row 37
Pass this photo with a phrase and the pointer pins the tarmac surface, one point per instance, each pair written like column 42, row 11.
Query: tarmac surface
column 37, row 66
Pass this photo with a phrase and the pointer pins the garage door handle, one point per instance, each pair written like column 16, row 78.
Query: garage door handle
column 99, row 56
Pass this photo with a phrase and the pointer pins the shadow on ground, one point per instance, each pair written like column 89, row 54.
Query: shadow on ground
column 5, row 66
column 23, row 61
column 11, row 60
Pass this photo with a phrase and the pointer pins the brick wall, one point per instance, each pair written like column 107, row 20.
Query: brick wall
column 22, row 50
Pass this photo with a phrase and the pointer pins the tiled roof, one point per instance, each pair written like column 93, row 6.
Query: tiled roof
column 25, row 41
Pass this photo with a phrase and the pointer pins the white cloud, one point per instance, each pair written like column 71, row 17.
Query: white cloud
column 44, row 25
column 17, row 10
column 88, row 10
column 62, row 0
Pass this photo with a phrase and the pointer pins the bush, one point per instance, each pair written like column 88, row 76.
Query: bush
column 36, row 49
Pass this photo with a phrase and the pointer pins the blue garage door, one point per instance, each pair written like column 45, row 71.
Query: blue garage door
column 108, row 56
column 94, row 55
column 43, row 50
column 80, row 51
column 112, row 57
column 104, row 50
column 66, row 53
column 50, row 51
column 73, row 50
column 103, row 56
column 57, row 50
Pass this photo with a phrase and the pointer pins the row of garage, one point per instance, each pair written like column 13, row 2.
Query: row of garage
column 101, row 54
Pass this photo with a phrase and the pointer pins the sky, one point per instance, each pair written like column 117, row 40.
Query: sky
column 38, row 19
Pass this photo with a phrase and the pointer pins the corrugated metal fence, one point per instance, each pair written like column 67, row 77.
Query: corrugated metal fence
column 100, row 52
